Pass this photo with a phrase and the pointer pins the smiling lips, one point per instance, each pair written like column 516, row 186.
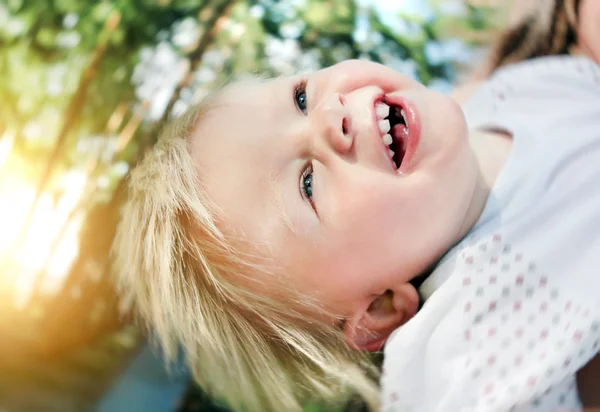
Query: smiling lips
column 398, row 132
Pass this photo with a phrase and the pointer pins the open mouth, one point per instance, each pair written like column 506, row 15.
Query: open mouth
column 391, row 120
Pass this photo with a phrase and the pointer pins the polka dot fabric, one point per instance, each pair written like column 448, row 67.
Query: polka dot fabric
column 522, row 327
column 512, row 312
column 517, row 339
column 561, row 397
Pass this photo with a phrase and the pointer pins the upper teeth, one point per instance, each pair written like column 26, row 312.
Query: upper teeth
column 384, row 126
column 382, row 110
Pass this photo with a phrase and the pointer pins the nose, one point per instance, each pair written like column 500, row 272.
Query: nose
column 334, row 122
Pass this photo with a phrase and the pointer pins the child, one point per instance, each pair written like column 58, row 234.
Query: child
column 280, row 226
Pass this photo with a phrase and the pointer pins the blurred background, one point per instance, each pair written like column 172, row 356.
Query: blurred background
column 84, row 87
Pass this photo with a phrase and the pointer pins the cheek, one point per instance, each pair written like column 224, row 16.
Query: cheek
column 394, row 227
column 363, row 248
column 357, row 198
column 331, row 270
column 373, row 218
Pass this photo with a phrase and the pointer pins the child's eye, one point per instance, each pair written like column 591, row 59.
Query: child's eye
column 300, row 97
column 306, row 183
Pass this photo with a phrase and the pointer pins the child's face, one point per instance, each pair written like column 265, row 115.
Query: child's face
column 299, row 164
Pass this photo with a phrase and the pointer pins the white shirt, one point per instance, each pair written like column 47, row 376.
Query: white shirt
column 513, row 311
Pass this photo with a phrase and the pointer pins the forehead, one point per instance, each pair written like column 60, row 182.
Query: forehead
column 251, row 93
column 229, row 146
column 245, row 117
column 240, row 115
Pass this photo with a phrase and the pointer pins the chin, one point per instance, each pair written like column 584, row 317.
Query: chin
column 445, row 125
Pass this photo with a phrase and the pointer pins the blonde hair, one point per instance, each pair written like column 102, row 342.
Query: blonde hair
column 257, row 353
column 550, row 30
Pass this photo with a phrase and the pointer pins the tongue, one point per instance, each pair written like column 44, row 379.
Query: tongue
column 400, row 132
column 400, row 135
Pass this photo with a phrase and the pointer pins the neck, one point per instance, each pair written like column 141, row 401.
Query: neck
column 584, row 50
column 491, row 150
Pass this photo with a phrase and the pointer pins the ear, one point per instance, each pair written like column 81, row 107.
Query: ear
column 369, row 328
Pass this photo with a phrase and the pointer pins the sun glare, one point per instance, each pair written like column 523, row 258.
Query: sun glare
column 48, row 249
column 6, row 143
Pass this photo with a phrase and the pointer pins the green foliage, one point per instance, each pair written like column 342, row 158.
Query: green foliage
column 45, row 45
